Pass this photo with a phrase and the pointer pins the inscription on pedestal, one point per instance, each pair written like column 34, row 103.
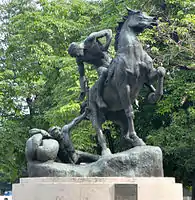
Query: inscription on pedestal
column 125, row 192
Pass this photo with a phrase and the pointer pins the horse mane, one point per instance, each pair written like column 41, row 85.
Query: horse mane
column 119, row 27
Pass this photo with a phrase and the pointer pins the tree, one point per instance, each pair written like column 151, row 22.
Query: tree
column 38, row 73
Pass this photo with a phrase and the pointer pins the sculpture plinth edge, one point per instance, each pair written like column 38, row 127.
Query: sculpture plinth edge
column 142, row 161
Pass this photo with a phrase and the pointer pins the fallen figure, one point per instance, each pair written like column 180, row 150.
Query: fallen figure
column 56, row 144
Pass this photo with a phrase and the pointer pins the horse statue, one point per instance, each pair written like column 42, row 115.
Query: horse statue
column 131, row 68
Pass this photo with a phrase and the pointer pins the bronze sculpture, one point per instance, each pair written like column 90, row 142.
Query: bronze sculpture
column 92, row 51
column 118, row 86
column 128, row 72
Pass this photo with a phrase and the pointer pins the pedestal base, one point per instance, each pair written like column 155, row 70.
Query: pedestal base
column 97, row 188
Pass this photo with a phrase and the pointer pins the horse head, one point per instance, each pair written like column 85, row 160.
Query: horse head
column 138, row 21
column 134, row 22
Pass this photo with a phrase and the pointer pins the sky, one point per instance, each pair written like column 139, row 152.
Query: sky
column 3, row 1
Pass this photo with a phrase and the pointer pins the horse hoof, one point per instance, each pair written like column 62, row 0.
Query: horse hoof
column 127, row 138
column 141, row 143
column 161, row 71
column 106, row 152
column 136, row 141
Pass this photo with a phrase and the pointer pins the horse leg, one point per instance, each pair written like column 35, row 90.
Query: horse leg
column 131, row 135
column 159, row 74
column 102, row 141
column 96, row 122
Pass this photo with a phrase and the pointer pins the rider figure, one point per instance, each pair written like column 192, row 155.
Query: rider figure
column 92, row 51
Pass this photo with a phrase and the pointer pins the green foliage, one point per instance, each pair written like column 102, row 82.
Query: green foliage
column 37, row 64
column 13, row 137
column 177, row 143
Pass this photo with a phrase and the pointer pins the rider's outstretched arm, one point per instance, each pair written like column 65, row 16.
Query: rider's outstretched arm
column 103, row 33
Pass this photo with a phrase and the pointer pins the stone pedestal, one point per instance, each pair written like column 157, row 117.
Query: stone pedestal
column 140, row 161
column 97, row 188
